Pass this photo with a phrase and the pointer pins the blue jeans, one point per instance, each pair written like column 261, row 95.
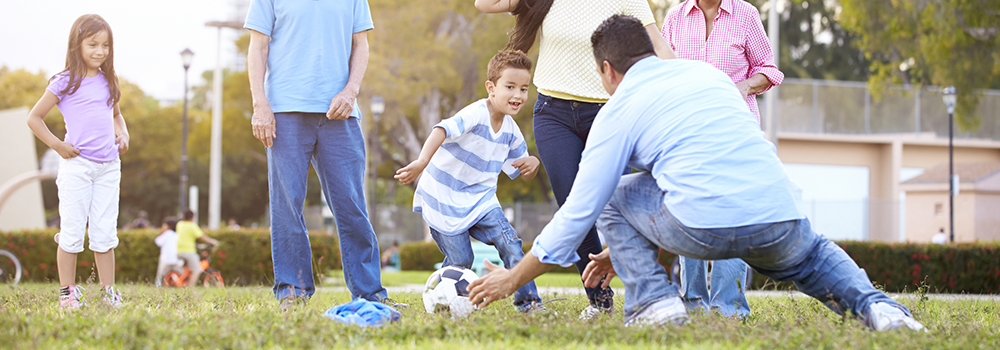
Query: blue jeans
column 635, row 222
column 492, row 229
column 728, row 286
column 561, row 128
column 336, row 149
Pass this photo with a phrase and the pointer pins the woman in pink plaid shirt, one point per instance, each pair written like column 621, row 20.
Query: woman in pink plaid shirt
column 729, row 35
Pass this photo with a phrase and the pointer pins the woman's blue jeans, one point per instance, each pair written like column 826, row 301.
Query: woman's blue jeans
column 336, row 149
column 635, row 222
column 561, row 128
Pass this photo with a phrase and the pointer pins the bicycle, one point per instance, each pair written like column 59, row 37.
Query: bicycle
column 209, row 277
column 8, row 260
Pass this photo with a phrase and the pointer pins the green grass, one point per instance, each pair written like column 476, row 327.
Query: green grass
column 247, row 317
column 403, row 278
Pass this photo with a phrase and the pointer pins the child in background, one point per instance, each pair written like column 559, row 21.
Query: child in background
column 458, row 196
column 187, row 232
column 167, row 241
column 87, row 94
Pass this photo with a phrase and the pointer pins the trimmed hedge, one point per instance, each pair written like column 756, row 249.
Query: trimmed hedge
column 243, row 258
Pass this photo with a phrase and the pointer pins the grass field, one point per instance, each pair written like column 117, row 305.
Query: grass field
column 247, row 317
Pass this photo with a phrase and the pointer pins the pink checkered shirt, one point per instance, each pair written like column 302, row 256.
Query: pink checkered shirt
column 737, row 45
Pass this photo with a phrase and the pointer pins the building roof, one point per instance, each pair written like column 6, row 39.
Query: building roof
column 967, row 172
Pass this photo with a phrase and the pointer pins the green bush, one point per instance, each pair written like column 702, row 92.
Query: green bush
column 243, row 258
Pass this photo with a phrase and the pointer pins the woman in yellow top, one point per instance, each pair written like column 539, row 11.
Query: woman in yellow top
column 570, row 92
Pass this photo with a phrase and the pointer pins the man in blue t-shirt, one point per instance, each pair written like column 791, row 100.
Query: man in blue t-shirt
column 306, row 61
column 711, row 187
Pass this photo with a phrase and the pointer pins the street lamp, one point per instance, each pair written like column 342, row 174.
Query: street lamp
column 186, row 56
column 377, row 107
column 948, row 95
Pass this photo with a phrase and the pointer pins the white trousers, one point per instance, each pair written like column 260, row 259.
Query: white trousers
column 88, row 193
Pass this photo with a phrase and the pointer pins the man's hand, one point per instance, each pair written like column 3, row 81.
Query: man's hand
column 528, row 167
column 66, row 150
column 264, row 128
column 342, row 105
column 122, row 141
column 599, row 268
column 409, row 173
column 496, row 285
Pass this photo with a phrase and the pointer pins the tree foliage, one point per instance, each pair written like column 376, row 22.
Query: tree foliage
column 930, row 42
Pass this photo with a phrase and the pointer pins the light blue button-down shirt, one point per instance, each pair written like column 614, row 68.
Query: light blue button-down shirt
column 686, row 123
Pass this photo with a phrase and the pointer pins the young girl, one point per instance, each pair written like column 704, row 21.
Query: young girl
column 90, row 172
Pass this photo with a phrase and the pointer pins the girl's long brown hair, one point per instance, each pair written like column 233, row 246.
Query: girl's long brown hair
column 529, row 15
column 85, row 27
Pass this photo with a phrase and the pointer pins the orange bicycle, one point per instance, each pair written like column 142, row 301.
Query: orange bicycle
column 209, row 277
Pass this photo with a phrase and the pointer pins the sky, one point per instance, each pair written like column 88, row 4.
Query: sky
column 149, row 36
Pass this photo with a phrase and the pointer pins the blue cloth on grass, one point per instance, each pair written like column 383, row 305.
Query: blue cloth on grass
column 363, row 313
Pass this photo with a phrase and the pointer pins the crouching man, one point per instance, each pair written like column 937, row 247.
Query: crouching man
column 712, row 187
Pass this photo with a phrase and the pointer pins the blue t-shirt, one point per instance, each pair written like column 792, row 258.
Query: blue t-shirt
column 310, row 50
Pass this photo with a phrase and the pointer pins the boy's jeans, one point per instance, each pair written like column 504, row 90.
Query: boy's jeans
column 492, row 229
column 336, row 149
column 728, row 294
column 635, row 222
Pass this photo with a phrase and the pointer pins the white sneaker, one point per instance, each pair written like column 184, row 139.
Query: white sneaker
column 590, row 312
column 112, row 297
column 885, row 317
column 666, row 311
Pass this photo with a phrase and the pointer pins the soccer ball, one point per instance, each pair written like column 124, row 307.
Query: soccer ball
column 447, row 289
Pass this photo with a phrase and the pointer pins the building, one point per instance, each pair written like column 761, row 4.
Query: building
column 977, row 205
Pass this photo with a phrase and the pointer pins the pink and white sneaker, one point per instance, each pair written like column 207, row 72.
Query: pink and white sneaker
column 73, row 300
column 112, row 297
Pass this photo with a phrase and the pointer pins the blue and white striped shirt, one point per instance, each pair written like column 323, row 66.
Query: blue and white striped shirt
column 459, row 184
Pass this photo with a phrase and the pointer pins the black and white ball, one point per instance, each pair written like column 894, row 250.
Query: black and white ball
column 447, row 289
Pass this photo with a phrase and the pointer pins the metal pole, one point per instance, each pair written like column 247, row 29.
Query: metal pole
column 951, row 176
column 184, row 158
column 215, row 162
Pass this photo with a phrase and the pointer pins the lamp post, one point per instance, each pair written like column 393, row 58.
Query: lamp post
column 949, row 100
column 215, row 161
column 377, row 107
column 186, row 56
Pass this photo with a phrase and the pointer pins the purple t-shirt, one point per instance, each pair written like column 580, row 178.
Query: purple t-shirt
column 89, row 119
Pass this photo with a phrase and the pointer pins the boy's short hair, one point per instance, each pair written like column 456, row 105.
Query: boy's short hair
column 506, row 59
column 188, row 214
column 171, row 223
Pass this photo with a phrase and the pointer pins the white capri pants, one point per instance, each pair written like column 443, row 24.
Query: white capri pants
column 88, row 190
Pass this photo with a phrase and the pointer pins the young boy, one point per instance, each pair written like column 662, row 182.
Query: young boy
column 458, row 196
column 167, row 241
column 187, row 232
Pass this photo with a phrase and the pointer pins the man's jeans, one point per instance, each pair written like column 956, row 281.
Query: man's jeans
column 727, row 295
column 492, row 229
column 561, row 129
column 635, row 222
column 336, row 149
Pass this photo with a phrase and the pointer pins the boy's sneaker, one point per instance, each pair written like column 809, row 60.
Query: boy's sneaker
column 593, row 311
column 666, row 311
column 112, row 297
column 73, row 300
column 394, row 304
column 885, row 317
column 531, row 308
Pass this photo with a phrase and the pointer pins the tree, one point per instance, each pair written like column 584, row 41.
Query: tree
column 930, row 42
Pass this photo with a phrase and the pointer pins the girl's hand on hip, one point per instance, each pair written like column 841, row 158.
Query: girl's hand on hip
column 264, row 128
column 66, row 150
column 122, row 141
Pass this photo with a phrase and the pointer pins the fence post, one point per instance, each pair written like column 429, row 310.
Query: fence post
column 916, row 112
column 868, row 113
column 816, row 118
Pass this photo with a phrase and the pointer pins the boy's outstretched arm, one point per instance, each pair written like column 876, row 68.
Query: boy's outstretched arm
column 528, row 166
column 409, row 173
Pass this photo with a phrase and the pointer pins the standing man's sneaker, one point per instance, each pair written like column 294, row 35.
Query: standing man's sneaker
column 71, row 297
column 885, row 317
column 112, row 296
column 394, row 304
column 291, row 302
column 667, row 311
